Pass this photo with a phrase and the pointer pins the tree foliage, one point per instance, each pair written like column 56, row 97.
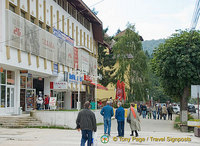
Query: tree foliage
column 177, row 64
column 132, row 63
column 106, row 61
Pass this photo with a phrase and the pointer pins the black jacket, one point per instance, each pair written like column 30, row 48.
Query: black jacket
column 86, row 120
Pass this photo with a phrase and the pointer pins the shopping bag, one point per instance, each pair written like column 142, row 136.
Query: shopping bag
column 94, row 139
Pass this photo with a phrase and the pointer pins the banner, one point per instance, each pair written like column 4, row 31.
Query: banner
column 75, row 58
column 24, row 35
column 92, row 66
column 83, row 57
column 120, row 92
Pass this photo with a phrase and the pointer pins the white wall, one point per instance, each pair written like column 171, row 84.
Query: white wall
column 62, row 118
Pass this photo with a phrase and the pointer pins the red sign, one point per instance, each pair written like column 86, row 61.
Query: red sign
column 1, row 69
column 75, row 57
column 120, row 92
column 87, row 78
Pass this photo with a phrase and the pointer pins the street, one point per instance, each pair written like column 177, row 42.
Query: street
column 154, row 132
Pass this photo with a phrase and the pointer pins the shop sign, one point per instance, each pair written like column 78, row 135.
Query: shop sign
column 55, row 69
column 66, row 76
column 75, row 57
column 23, row 71
column 52, row 101
column 63, row 36
column 87, row 78
column 74, row 79
column 60, row 85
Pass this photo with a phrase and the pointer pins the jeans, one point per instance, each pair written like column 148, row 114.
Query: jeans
column 158, row 115
column 120, row 128
column 144, row 114
column 170, row 116
column 107, row 125
column 164, row 116
column 86, row 136
column 154, row 115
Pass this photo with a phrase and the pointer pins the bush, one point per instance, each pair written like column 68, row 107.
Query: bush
column 126, row 105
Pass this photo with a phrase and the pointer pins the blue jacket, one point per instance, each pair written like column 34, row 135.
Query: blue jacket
column 107, row 112
column 119, row 114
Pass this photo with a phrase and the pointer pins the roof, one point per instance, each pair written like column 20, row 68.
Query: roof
column 123, row 33
column 87, row 13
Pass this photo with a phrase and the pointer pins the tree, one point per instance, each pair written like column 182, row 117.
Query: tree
column 132, row 64
column 176, row 63
column 106, row 61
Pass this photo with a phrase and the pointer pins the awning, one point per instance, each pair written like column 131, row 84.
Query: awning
column 99, row 86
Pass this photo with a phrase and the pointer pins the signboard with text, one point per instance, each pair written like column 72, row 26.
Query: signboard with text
column 52, row 101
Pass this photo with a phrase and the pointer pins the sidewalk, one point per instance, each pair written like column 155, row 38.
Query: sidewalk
column 59, row 137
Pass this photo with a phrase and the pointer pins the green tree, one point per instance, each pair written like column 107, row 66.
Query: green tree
column 176, row 63
column 106, row 61
column 132, row 63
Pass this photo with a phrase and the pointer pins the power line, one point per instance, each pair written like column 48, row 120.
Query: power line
column 52, row 24
column 196, row 14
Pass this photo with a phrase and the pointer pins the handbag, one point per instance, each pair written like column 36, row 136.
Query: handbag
column 129, row 119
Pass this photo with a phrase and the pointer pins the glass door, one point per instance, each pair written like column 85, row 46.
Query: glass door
column 10, row 97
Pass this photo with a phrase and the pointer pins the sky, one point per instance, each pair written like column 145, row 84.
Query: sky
column 153, row 19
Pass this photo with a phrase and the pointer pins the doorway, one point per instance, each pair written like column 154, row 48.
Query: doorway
column 10, row 97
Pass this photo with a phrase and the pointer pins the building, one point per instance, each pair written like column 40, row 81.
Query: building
column 47, row 47
column 111, row 88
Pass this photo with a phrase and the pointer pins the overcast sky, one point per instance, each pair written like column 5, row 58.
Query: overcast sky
column 154, row 19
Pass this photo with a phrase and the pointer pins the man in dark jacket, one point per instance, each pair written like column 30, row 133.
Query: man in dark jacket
column 86, row 122
column 107, row 113
column 119, row 115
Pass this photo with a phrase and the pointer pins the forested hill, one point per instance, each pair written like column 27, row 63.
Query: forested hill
column 149, row 45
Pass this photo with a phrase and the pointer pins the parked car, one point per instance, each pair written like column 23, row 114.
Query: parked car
column 176, row 109
column 191, row 108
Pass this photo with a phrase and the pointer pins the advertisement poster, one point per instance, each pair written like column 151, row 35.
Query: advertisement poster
column 52, row 101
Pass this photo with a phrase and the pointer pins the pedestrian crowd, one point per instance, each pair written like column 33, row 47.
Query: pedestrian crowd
column 156, row 111
column 86, row 120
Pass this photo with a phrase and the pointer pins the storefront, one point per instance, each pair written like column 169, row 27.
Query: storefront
column 63, row 94
column 7, row 91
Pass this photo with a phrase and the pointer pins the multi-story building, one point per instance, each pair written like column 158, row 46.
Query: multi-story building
column 47, row 47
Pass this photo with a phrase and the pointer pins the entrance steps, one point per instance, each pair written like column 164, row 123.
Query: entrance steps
column 21, row 121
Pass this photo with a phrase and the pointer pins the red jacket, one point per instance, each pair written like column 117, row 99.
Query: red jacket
column 46, row 100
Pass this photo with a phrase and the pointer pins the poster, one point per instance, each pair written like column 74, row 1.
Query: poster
column 52, row 101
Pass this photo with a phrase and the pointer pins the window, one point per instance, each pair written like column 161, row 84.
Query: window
column 12, row 8
column 10, row 78
column 3, row 77
column 80, row 18
column 3, row 95
column 70, row 9
column 23, row 14
column 40, row 24
column 87, row 24
column 32, row 19
column 73, row 12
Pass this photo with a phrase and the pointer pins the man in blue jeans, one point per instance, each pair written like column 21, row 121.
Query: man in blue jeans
column 86, row 122
column 107, row 113
column 119, row 115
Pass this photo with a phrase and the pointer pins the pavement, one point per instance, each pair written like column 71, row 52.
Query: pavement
column 153, row 132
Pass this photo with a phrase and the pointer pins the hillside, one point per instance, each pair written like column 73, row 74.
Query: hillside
column 149, row 45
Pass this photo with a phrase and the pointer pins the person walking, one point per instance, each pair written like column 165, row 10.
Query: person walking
column 86, row 122
column 107, row 113
column 119, row 115
column 159, row 112
column 144, row 111
column 154, row 112
column 134, row 120
column 149, row 112
column 170, row 111
column 164, row 111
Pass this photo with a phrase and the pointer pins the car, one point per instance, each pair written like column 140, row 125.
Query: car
column 176, row 109
column 191, row 108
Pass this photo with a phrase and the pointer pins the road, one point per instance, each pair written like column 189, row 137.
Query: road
column 151, row 129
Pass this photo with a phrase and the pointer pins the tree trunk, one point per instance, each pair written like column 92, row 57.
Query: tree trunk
column 183, row 105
